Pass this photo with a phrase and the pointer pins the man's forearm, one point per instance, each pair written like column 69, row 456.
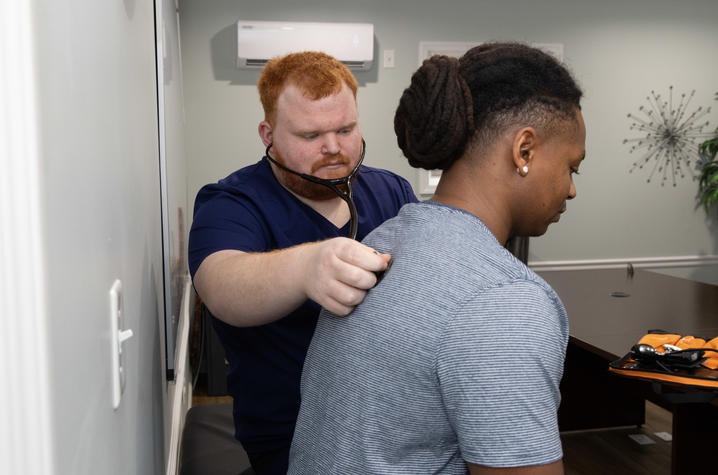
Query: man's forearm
column 249, row 289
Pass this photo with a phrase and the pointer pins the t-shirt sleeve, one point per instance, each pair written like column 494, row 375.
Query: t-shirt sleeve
column 224, row 220
column 499, row 364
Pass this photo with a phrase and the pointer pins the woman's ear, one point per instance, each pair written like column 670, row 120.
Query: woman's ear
column 265, row 132
column 522, row 151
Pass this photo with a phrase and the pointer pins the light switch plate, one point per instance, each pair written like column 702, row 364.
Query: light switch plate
column 389, row 59
column 117, row 337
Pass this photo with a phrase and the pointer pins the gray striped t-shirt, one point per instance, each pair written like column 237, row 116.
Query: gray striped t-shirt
column 455, row 356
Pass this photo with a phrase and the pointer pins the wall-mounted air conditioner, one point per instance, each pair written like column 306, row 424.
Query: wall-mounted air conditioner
column 260, row 41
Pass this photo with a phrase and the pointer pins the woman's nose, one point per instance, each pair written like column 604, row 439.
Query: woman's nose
column 572, row 191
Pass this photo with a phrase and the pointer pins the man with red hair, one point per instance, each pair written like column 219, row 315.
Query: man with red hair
column 268, row 247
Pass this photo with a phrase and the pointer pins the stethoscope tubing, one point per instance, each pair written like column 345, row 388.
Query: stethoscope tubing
column 333, row 184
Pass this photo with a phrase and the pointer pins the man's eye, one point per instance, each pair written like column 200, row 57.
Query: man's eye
column 310, row 136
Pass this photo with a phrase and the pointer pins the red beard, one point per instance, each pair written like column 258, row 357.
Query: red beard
column 306, row 188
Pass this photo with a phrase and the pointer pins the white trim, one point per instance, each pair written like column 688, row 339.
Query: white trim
column 180, row 391
column 26, row 429
column 636, row 262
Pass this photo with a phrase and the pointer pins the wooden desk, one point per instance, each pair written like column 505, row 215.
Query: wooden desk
column 608, row 312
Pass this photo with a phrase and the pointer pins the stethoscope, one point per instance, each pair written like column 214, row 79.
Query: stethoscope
column 332, row 184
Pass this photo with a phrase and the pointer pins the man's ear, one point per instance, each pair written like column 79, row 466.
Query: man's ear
column 265, row 132
column 523, row 148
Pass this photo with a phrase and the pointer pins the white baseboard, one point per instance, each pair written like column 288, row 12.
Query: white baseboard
column 636, row 262
column 180, row 391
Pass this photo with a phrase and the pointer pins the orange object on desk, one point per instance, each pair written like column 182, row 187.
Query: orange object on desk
column 712, row 361
column 705, row 375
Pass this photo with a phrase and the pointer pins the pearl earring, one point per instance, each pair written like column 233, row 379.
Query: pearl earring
column 524, row 169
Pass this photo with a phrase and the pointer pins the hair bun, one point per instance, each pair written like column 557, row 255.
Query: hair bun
column 434, row 119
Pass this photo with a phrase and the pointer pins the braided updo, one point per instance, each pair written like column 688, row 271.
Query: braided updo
column 452, row 103
column 434, row 119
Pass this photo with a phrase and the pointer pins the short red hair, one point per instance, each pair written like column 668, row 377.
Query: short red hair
column 316, row 74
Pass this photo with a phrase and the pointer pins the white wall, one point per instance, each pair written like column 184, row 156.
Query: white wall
column 618, row 50
column 100, row 218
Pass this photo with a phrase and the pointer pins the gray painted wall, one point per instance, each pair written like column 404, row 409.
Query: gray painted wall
column 97, row 109
column 618, row 50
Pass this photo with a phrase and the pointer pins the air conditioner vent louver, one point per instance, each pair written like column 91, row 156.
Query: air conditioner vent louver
column 255, row 63
column 354, row 64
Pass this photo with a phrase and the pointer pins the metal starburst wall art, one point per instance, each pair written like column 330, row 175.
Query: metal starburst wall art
column 670, row 141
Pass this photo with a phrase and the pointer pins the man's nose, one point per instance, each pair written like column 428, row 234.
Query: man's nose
column 330, row 146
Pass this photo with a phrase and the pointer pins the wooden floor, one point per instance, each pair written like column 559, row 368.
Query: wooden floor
column 601, row 452
column 201, row 398
column 614, row 452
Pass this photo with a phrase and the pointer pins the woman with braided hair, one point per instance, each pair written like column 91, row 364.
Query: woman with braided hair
column 452, row 363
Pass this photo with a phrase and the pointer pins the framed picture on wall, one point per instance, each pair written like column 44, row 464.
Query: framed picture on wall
column 456, row 49
column 428, row 179
column 556, row 49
